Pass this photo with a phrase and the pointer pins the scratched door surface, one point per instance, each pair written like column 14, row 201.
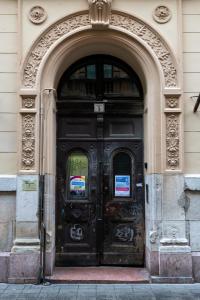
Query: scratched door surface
column 100, row 199
column 123, row 192
column 76, row 192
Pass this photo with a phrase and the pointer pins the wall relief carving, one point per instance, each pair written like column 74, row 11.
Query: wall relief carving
column 28, row 141
column 162, row 14
column 153, row 235
column 28, row 102
column 172, row 101
column 37, row 15
column 172, row 140
column 99, row 12
column 153, row 40
column 129, row 23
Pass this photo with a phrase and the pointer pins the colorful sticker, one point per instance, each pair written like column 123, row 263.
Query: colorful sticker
column 122, row 186
column 77, row 184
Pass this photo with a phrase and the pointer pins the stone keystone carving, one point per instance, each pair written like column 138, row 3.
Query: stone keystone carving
column 99, row 12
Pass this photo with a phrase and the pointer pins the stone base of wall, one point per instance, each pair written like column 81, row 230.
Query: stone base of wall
column 152, row 262
column 178, row 280
column 173, row 268
column 4, row 266
column 50, row 262
column 24, row 267
column 175, row 263
column 196, row 266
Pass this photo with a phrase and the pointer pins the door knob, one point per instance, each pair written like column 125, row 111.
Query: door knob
column 106, row 188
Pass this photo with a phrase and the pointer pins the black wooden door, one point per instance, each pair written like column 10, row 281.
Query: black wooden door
column 100, row 201
column 100, row 213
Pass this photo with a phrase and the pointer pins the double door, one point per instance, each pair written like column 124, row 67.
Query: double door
column 100, row 199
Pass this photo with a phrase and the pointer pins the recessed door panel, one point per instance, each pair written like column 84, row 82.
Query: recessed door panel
column 123, row 204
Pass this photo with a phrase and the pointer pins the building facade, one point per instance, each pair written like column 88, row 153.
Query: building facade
column 99, row 138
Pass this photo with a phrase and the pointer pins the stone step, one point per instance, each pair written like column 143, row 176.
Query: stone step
column 99, row 275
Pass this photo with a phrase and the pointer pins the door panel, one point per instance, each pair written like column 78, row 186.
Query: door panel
column 123, row 128
column 76, row 215
column 123, row 216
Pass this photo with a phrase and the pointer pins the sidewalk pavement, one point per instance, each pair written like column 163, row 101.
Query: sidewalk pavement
column 100, row 291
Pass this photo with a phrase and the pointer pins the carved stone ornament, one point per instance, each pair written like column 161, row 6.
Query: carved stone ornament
column 37, row 15
column 172, row 101
column 28, row 102
column 118, row 21
column 172, row 141
column 147, row 34
column 99, row 12
column 28, row 141
column 162, row 14
column 153, row 235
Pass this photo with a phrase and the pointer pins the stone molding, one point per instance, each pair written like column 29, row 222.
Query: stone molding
column 8, row 183
column 151, row 37
column 118, row 21
column 37, row 15
column 192, row 182
column 99, row 13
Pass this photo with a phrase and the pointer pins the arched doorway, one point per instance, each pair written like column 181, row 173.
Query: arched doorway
column 100, row 190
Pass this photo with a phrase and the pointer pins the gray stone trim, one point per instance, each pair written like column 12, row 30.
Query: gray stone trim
column 192, row 182
column 8, row 183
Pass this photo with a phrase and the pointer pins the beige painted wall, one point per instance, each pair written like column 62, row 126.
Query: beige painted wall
column 8, row 86
column 191, row 68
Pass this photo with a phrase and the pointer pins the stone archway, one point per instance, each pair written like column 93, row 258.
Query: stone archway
column 128, row 38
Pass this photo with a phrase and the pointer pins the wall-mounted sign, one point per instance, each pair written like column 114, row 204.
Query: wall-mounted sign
column 77, row 185
column 29, row 185
column 122, row 186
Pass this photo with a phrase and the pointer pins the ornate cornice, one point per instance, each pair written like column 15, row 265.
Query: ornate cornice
column 118, row 21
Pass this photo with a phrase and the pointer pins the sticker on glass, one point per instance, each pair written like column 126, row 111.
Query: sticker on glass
column 122, row 186
column 77, row 185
